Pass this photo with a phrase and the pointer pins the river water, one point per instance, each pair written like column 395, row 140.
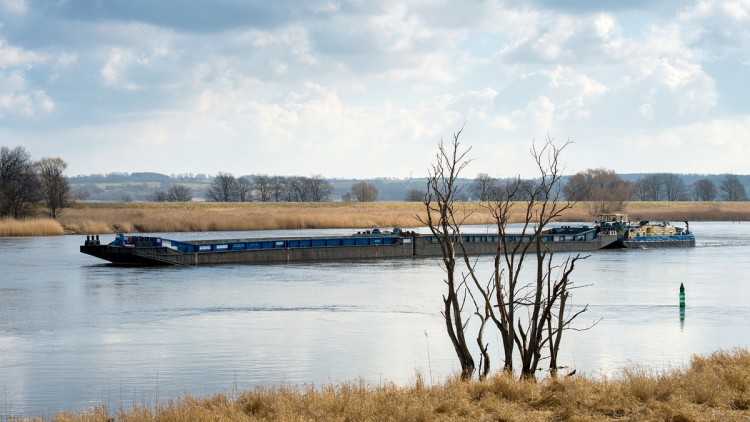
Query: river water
column 76, row 332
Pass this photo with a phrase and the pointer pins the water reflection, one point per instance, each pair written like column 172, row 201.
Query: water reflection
column 74, row 332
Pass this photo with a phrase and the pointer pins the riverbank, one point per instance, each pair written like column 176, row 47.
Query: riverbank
column 714, row 387
column 150, row 217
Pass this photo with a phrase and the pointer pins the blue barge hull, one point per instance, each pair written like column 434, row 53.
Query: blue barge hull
column 149, row 250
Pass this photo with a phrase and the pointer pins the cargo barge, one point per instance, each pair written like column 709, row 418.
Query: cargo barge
column 645, row 234
column 150, row 250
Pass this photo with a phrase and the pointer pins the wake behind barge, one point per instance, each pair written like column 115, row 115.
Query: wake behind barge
column 149, row 250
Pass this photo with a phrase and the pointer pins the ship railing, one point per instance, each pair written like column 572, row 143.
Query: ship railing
column 122, row 239
column 265, row 244
column 662, row 238
column 518, row 238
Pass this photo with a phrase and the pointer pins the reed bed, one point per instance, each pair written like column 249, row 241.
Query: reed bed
column 689, row 211
column 30, row 227
column 149, row 217
column 711, row 388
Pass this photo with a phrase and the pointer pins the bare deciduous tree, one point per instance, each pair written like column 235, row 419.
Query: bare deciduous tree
column 364, row 192
column 414, row 195
column 243, row 190
column 19, row 183
column 604, row 190
column 158, row 196
column 704, row 190
column 180, row 193
column 320, row 189
column 55, row 190
column 439, row 202
column 733, row 188
column 295, row 189
column 530, row 314
column 674, row 187
column 175, row 193
column 484, row 187
column 222, row 188
column 650, row 187
column 277, row 186
column 262, row 186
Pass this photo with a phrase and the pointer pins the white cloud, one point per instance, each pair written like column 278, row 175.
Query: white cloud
column 16, row 100
column 737, row 11
column 117, row 63
column 327, row 80
column 15, row 57
column 14, row 7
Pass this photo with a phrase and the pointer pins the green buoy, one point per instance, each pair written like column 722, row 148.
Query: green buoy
column 682, row 295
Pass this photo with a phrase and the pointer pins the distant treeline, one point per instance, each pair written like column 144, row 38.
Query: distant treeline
column 25, row 185
column 593, row 184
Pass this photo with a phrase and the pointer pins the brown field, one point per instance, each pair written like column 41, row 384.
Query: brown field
column 148, row 217
column 711, row 388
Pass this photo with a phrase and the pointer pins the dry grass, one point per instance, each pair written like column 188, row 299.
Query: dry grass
column 689, row 211
column 711, row 388
column 30, row 227
column 148, row 217
column 193, row 216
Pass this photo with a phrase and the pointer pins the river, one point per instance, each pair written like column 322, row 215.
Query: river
column 76, row 332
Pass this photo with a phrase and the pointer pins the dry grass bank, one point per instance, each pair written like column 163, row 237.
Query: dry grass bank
column 148, row 217
column 30, row 227
column 689, row 211
column 711, row 388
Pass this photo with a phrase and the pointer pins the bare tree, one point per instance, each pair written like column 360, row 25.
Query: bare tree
column 320, row 188
column 175, row 193
column 55, row 190
column 158, row 196
column 483, row 187
column 180, row 193
column 295, row 189
column 441, row 219
column 262, row 186
column 243, row 190
column 530, row 315
column 277, row 187
column 650, row 187
column 733, row 188
column 19, row 183
column 704, row 190
column 222, row 188
column 674, row 187
column 364, row 192
column 414, row 195
column 604, row 190
column 522, row 189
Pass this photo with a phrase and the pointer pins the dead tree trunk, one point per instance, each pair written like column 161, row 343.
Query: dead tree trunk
column 441, row 219
column 523, row 310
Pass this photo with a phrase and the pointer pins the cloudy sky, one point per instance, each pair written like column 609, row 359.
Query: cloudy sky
column 367, row 88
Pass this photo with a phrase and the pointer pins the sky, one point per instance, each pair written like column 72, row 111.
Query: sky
column 363, row 89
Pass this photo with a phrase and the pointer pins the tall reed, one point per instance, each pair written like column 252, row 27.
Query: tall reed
column 30, row 227
column 713, row 387
column 146, row 217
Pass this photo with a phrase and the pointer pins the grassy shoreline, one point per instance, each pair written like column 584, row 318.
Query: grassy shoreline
column 713, row 387
column 149, row 217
